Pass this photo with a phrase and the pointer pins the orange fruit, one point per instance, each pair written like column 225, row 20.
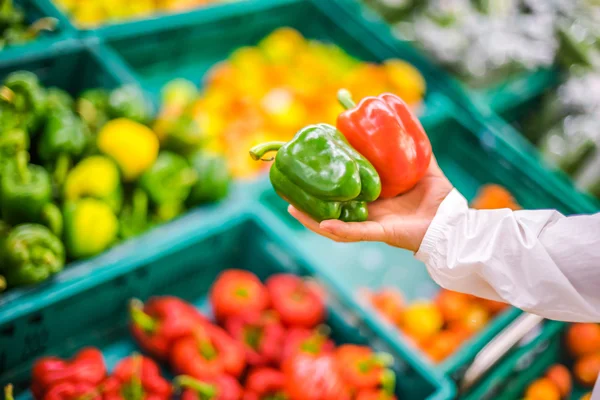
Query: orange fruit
column 494, row 307
column 442, row 345
column 583, row 339
column 421, row 320
column 542, row 389
column 452, row 305
column 586, row 369
column 475, row 318
column 390, row 303
column 493, row 197
column 560, row 375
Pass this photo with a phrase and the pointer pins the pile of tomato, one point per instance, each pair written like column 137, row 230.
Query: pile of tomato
column 267, row 341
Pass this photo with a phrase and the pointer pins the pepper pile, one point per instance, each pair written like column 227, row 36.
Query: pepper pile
column 78, row 175
column 15, row 30
column 268, row 342
column 270, row 91
column 92, row 13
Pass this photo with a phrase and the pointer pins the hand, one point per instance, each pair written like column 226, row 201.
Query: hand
column 400, row 221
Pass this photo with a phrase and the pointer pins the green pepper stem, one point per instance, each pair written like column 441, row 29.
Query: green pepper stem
column 140, row 208
column 43, row 24
column 140, row 318
column 48, row 257
column 61, row 169
column 345, row 98
column 22, row 159
column 388, row 382
column 185, row 381
column 258, row 151
column 7, row 94
column 137, row 390
column 52, row 218
column 8, row 392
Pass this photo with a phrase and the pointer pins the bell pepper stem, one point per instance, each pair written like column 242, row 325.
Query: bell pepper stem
column 137, row 390
column 52, row 218
column 43, row 24
column 61, row 169
column 388, row 382
column 140, row 318
column 22, row 159
column 8, row 392
column 203, row 388
column 345, row 98
column 258, row 151
column 205, row 347
column 7, row 94
column 139, row 208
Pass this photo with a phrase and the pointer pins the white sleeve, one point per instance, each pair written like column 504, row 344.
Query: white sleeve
column 539, row 261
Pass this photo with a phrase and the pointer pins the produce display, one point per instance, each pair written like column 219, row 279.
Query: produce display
column 88, row 14
column 268, row 342
column 484, row 42
column 16, row 30
column 270, row 91
column 79, row 175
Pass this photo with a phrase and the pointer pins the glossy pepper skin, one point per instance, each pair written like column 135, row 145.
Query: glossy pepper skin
column 208, row 353
column 265, row 383
column 310, row 377
column 360, row 367
column 213, row 178
column 26, row 195
column 31, row 254
column 237, row 292
column 389, row 135
column 168, row 183
column 221, row 387
column 296, row 302
column 136, row 378
column 157, row 324
column 85, row 370
column 261, row 335
column 22, row 90
column 321, row 174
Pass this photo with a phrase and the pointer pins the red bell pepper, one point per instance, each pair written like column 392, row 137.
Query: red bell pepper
column 86, row 367
column 236, row 292
column 136, row 378
column 210, row 352
column 73, row 391
column 360, row 367
column 389, row 135
column 261, row 335
column 386, row 392
column 296, row 302
column 221, row 387
column 310, row 377
column 162, row 320
column 311, row 341
column 265, row 383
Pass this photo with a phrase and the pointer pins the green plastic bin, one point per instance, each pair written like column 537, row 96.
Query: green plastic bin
column 470, row 159
column 95, row 313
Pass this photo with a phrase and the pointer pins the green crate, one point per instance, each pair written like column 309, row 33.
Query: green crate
column 510, row 379
column 192, row 267
column 57, row 40
column 470, row 159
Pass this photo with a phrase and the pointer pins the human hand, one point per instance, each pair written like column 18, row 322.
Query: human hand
column 400, row 221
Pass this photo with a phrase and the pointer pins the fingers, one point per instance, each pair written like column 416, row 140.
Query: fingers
column 313, row 225
column 367, row 231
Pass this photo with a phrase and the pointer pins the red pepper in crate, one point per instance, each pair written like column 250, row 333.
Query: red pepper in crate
column 73, row 391
column 136, row 378
column 360, row 367
column 221, row 387
column 208, row 353
column 236, row 292
column 297, row 302
column 386, row 392
column 162, row 320
column 261, row 334
column 85, row 368
column 310, row 377
column 265, row 383
column 311, row 341
column 385, row 131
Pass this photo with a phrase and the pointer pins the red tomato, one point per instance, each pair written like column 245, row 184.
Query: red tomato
column 237, row 292
column 297, row 303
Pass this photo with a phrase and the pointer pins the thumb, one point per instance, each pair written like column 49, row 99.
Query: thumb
column 367, row 231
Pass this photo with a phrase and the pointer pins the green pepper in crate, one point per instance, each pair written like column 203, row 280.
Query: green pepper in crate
column 181, row 135
column 213, row 178
column 97, row 177
column 90, row 227
column 13, row 141
column 321, row 174
column 168, row 184
column 92, row 106
column 31, row 254
column 4, row 231
column 23, row 92
column 129, row 102
column 133, row 220
column 65, row 137
column 26, row 192
column 58, row 100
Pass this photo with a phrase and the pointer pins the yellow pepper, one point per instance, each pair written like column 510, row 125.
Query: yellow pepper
column 406, row 81
column 133, row 146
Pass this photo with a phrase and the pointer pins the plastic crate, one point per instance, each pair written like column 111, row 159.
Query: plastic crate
column 470, row 160
column 188, row 45
column 186, row 270
column 62, row 37
column 515, row 373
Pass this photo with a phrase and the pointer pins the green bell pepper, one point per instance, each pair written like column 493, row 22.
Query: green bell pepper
column 168, row 183
column 65, row 138
column 58, row 100
column 321, row 174
column 13, row 141
column 129, row 102
column 31, row 254
column 10, row 15
column 23, row 92
column 90, row 227
column 26, row 193
column 183, row 135
column 213, row 178
column 4, row 231
column 133, row 220
column 92, row 106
